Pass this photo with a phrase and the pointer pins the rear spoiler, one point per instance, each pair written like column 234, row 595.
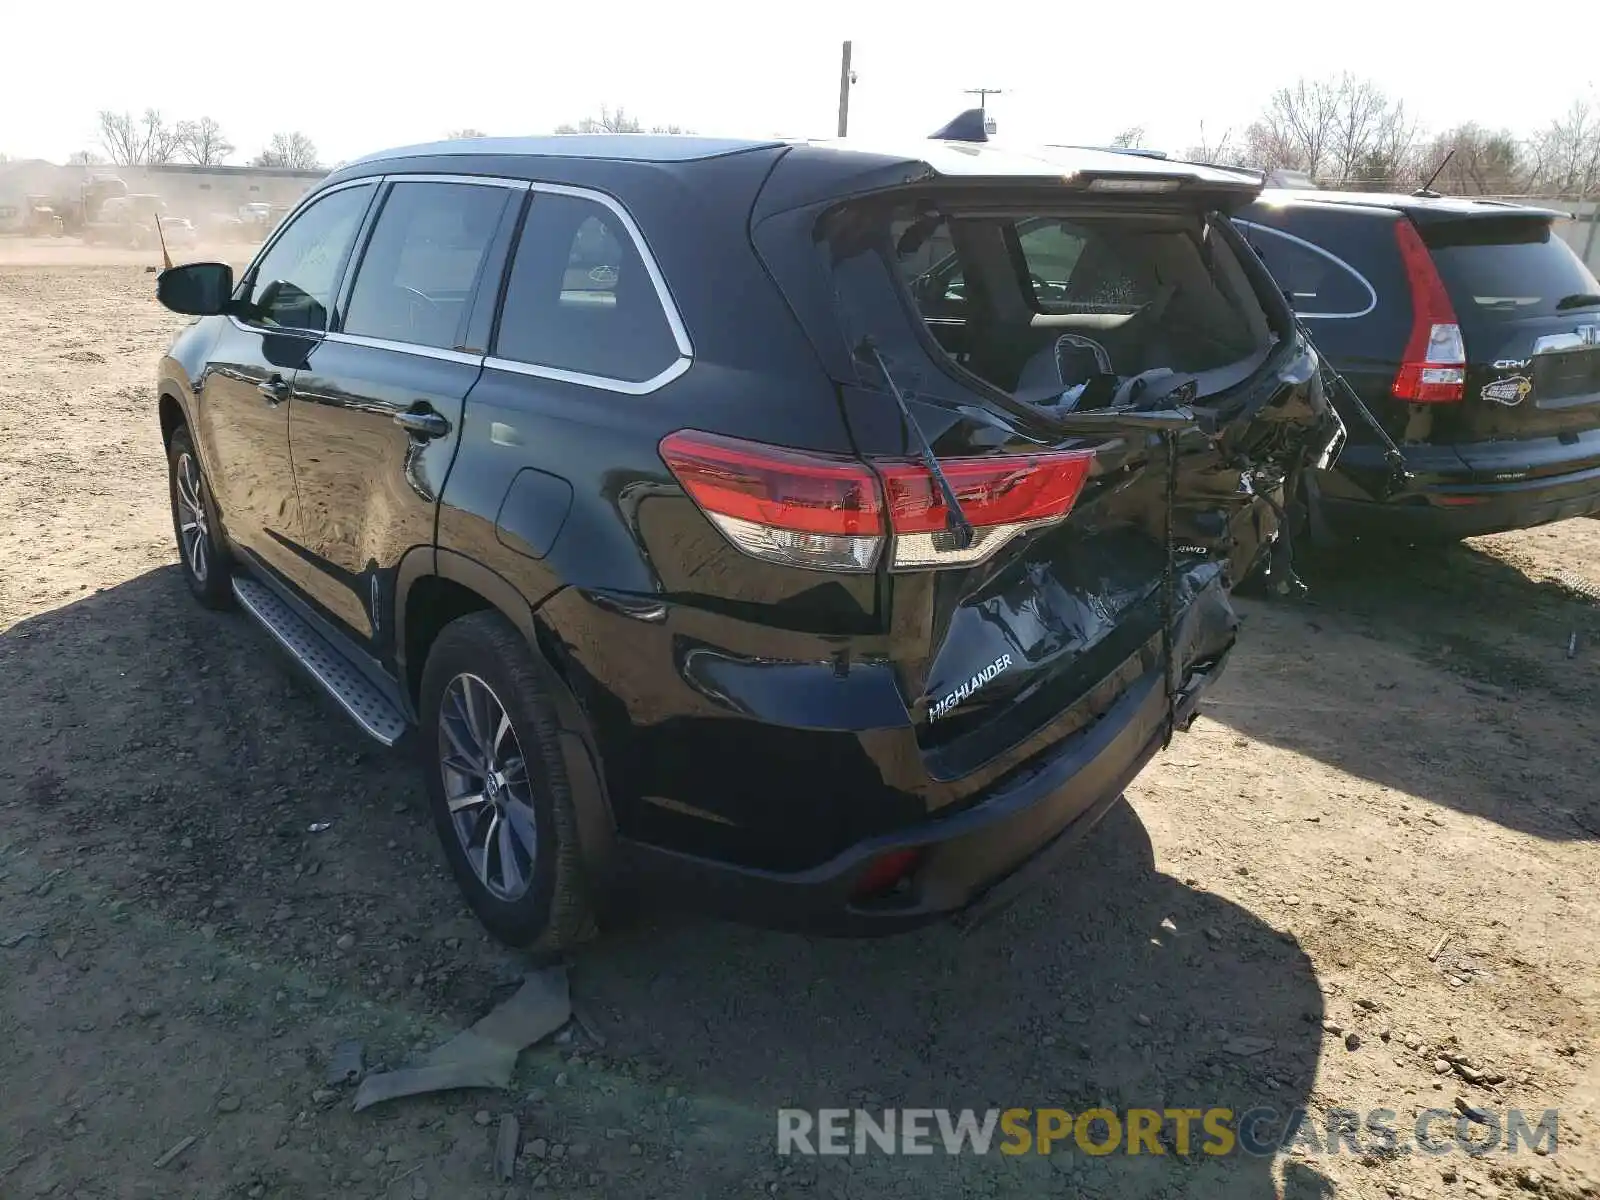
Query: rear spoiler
column 1483, row 210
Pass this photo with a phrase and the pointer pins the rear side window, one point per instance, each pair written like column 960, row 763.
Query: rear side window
column 580, row 298
column 1518, row 267
column 421, row 266
column 1317, row 282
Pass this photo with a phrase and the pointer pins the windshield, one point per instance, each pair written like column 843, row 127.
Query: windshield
column 1518, row 266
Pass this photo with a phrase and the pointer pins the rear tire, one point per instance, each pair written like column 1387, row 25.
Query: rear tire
column 498, row 789
column 202, row 554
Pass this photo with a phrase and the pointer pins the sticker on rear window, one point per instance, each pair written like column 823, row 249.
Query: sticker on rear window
column 968, row 688
column 1510, row 392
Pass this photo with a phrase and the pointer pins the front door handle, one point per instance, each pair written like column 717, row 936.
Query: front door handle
column 422, row 422
column 275, row 389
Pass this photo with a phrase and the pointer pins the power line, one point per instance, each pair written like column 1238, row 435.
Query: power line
column 983, row 95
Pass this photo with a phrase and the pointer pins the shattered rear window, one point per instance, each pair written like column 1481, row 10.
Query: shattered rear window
column 1145, row 290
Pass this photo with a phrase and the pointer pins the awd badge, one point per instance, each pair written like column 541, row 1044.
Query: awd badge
column 1510, row 392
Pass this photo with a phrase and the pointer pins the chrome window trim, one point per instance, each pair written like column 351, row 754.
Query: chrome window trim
column 1372, row 293
column 669, row 308
column 626, row 387
column 516, row 185
column 417, row 348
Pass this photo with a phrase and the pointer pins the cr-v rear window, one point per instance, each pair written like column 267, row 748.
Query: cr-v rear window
column 1518, row 266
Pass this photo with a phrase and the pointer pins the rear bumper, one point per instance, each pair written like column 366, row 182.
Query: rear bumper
column 972, row 861
column 1452, row 511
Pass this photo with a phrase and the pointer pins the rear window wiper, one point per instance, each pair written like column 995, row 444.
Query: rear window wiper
column 955, row 519
column 1578, row 300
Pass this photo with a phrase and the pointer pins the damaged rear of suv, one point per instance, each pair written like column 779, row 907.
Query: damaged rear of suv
column 1076, row 401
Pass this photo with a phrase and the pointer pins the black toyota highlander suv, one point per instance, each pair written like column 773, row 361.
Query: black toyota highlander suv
column 627, row 470
column 1471, row 332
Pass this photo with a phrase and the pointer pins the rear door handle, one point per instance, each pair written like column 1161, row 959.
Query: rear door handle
column 275, row 389
column 422, row 422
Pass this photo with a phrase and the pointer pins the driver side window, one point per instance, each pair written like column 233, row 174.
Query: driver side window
column 292, row 286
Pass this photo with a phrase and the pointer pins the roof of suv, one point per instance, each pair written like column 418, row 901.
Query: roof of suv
column 1416, row 206
column 946, row 158
column 617, row 147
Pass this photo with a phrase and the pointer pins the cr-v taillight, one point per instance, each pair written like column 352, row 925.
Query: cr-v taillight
column 834, row 513
column 1434, row 369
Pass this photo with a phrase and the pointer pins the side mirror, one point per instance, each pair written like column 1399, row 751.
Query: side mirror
column 196, row 289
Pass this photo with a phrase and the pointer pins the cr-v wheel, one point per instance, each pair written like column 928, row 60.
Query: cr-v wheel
column 194, row 524
column 498, row 787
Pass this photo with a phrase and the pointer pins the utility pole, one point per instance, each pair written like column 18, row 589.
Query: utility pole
column 983, row 95
column 846, row 78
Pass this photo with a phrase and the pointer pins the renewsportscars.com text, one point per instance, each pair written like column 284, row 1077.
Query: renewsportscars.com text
column 1178, row 1131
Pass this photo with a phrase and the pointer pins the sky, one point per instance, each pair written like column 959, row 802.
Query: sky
column 359, row 77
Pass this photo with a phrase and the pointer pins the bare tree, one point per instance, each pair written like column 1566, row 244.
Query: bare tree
column 1224, row 151
column 294, row 150
column 1339, row 129
column 609, row 121
column 119, row 137
column 1372, row 136
column 84, row 158
column 1130, row 138
column 469, row 132
column 675, row 130
column 132, row 141
column 1564, row 156
column 202, row 142
column 1294, row 130
column 1472, row 161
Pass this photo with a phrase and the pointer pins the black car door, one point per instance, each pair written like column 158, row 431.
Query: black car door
column 378, row 404
column 242, row 410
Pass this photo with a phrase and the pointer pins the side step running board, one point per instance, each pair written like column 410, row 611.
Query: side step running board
column 376, row 715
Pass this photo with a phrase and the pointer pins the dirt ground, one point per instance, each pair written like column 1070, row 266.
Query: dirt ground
column 1408, row 758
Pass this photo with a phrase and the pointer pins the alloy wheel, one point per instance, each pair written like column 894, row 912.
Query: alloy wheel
column 193, row 533
column 486, row 787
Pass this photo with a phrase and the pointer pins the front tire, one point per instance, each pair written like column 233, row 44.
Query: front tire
column 195, row 525
column 498, row 789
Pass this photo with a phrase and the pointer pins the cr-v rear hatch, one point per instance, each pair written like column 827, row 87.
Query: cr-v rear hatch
column 1528, row 314
column 1052, row 338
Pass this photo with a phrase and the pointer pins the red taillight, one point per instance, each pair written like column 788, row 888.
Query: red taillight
column 829, row 513
column 1434, row 369
column 884, row 872
column 1000, row 497
column 787, row 506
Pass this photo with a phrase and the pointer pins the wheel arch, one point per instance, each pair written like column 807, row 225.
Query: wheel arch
column 171, row 412
column 434, row 587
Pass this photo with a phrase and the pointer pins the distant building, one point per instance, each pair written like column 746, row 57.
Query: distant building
column 197, row 192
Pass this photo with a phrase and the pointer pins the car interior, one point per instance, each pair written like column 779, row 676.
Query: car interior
column 1054, row 308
